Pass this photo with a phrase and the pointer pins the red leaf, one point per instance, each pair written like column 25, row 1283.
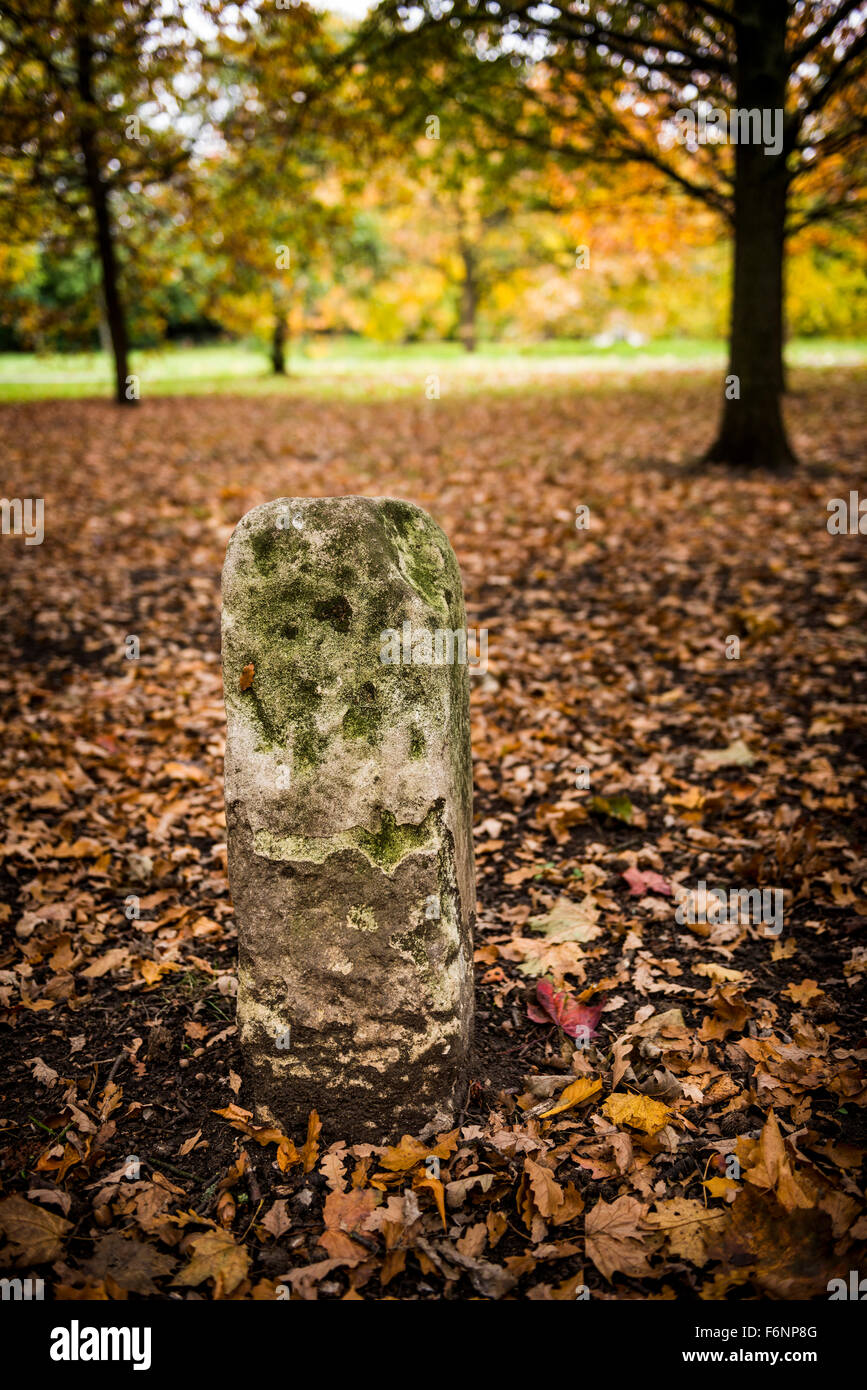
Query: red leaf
column 564, row 1010
column 645, row 880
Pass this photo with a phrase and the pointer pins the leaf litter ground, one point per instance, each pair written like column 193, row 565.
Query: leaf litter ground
column 702, row 1137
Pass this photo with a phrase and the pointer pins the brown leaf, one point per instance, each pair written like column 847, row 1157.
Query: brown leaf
column 217, row 1257
column 278, row 1221
column 310, row 1151
column 547, row 1192
column 616, row 1238
column 36, row 1235
column 132, row 1264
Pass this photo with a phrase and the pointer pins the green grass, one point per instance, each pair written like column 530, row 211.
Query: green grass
column 355, row 368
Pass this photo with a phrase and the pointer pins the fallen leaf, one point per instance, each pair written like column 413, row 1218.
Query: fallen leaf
column 616, row 1238
column 563, row 1009
column 35, row 1234
column 639, row 1112
column 574, row 1094
column 217, row 1257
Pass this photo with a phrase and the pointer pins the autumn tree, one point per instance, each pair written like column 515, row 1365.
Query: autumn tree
column 617, row 81
column 96, row 105
column 274, row 201
column 467, row 202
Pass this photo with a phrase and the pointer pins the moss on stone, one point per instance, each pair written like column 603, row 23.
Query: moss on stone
column 362, row 919
column 308, row 744
column 385, row 847
column 335, row 611
column 413, row 943
column 262, row 545
column 424, row 554
column 361, row 721
column 306, row 622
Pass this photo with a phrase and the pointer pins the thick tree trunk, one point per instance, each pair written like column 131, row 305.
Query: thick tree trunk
column 98, row 193
column 469, row 298
column 278, row 344
column 752, row 433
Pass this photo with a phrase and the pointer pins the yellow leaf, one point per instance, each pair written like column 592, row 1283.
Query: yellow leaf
column 688, row 1226
column 719, row 1187
column 640, row 1112
column 574, row 1094
column 435, row 1186
column 287, row 1154
column 405, row 1155
column 152, row 971
column 805, row 992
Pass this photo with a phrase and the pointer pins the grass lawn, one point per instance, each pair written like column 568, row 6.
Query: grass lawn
column 352, row 368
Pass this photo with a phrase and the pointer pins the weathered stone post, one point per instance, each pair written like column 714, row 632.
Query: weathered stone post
column 349, row 812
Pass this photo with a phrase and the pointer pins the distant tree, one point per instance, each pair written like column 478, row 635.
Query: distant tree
column 95, row 103
column 276, row 200
column 473, row 205
column 606, row 80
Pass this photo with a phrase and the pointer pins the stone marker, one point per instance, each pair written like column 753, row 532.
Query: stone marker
column 349, row 814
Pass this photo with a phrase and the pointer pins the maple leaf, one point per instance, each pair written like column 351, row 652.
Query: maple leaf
column 564, row 1010
column 217, row 1257
column 563, row 958
column 639, row 1112
column 569, row 921
column 688, row 1226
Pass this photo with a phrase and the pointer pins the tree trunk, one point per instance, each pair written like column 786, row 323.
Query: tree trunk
column 752, row 433
column 98, row 193
column 278, row 343
column 469, row 298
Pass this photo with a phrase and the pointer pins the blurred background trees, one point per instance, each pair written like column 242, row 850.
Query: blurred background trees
column 458, row 169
